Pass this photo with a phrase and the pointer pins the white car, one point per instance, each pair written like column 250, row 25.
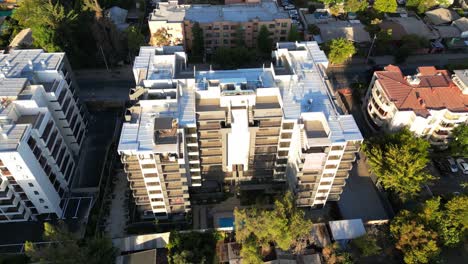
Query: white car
column 289, row 7
column 462, row 165
column 452, row 164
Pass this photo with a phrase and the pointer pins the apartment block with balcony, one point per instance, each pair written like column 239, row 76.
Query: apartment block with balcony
column 222, row 25
column 39, row 144
column 253, row 128
column 430, row 103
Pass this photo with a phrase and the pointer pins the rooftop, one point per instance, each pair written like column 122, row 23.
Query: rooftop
column 263, row 11
column 429, row 89
column 344, row 29
column 402, row 26
column 461, row 24
column 441, row 16
column 21, row 63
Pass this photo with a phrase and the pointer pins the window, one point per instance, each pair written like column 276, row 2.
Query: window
column 154, row 192
column 41, row 201
column 30, row 184
column 271, row 26
column 284, row 24
column 148, row 166
column 225, row 27
column 157, row 200
column 36, row 192
column 283, row 32
column 46, row 207
column 152, row 183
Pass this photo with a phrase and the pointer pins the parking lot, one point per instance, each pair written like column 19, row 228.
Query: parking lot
column 293, row 13
column 449, row 182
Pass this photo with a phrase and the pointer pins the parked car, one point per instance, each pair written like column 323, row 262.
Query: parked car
column 293, row 12
column 289, row 7
column 452, row 164
column 285, row 3
column 462, row 165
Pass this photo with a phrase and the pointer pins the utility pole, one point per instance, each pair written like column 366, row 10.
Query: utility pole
column 104, row 57
column 370, row 49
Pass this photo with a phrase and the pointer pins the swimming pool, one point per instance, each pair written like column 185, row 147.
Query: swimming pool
column 226, row 222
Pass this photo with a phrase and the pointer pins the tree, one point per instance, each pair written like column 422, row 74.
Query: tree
column 313, row 29
column 160, row 38
column 50, row 23
column 198, row 43
column 250, row 252
column 367, row 245
column 334, row 255
column 134, row 40
column 355, row 5
column 399, row 161
column 193, row 247
column 284, row 225
column 418, row 244
column 421, row 5
column 385, row 6
column 264, row 42
column 233, row 58
column 459, row 144
column 311, row 9
column 294, row 34
column 64, row 247
column 340, row 50
column 454, row 224
column 411, row 43
column 332, row 2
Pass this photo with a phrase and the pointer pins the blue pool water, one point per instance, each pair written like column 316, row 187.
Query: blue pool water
column 226, row 222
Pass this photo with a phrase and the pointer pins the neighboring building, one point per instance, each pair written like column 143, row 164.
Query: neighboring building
column 256, row 126
column 402, row 26
column 42, row 128
column 22, row 39
column 429, row 103
column 441, row 16
column 462, row 25
column 351, row 30
column 221, row 24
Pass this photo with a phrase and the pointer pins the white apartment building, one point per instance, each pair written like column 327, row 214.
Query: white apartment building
column 42, row 127
column 429, row 103
column 248, row 127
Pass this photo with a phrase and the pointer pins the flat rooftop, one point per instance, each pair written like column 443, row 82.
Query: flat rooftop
column 22, row 63
column 263, row 11
column 255, row 78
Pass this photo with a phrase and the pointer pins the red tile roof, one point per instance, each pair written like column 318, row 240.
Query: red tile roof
column 435, row 90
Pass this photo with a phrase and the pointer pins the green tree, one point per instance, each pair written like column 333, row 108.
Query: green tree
column 417, row 243
column 385, row 6
column 64, row 247
column 250, row 252
column 399, row 161
column 367, row 245
column 313, row 29
column 50, row 23
column 193, row 247
column 233, row 58
column 198, row 43
column 421, row 5
column 454, row 223
column 264, row 42
column 332, row 2
column 134, row 40
column 411, row 43
column 339, row 50
column 355, row 5
column 459, row 144
column 294, row 34
column 240, row 40
column 284, row 225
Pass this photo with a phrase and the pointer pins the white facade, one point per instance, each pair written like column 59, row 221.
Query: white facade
column 254, row 127
column 434, row 123
column 43, row 127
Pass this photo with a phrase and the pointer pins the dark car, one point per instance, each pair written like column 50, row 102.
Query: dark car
column 442, row 166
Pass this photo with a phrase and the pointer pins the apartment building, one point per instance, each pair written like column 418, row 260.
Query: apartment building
column 429, row 103
column 42, row 125
column 253, row 128
column 222, row 25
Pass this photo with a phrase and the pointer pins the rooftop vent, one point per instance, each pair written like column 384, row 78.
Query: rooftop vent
column 413, row 80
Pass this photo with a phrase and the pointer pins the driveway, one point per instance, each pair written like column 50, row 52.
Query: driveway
column 360, row 197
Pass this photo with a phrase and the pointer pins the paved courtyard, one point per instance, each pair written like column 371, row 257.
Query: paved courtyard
column 118, row 214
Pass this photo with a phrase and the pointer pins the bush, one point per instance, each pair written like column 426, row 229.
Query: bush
column 340, row 50
column 367, row 245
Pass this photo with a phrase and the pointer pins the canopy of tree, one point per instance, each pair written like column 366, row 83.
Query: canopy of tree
column 385, row 6
column 410, row 44
column 264, row 42
column 65, row 248
column 339, row 50
column 421, row 234
column 399, row 161
column 459, row 145
column 198, row 43
column 367, row 245
column 233, row 58
column 422, row 6
column 134, row 40
column 60, row 25
column 192, row 248
column 334, row 255
column 355, row 5
column 284, row 226
column 294, row 34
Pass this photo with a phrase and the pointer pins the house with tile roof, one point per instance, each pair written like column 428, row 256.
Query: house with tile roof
column 429, row 103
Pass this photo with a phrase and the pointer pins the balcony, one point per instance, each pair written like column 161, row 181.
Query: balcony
column 351, row 157
column 441, row 134
column 177, row 209
column 170, row 168
column 137, row 185
column 175, row 193
column 142, row 201
column 214, row 144
column 339, row 182
column 172, row 178
column 132, row 168
column 342, row 174
column 140, row 193
column 134, row 176
column 345, row 166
